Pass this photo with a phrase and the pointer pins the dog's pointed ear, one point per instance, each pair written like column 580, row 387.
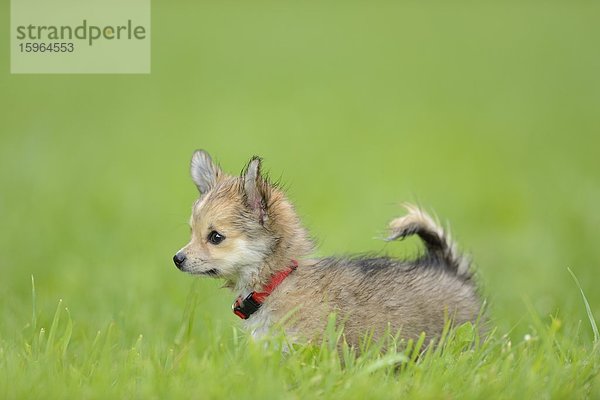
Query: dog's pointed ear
column 204, row 171
column 256, row 189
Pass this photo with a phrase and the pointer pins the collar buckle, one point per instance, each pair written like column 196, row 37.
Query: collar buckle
column 246, row 307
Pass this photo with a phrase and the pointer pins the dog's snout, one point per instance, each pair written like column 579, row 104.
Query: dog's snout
column 179, row 259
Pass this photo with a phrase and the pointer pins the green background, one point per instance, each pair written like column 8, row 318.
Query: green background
column 485, row 112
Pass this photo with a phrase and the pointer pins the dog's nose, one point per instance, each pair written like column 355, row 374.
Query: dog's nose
column 179, row 259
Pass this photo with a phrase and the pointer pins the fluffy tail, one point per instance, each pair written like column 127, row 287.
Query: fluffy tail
column 437, row 242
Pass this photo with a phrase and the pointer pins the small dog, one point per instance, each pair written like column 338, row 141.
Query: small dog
column 245, row 231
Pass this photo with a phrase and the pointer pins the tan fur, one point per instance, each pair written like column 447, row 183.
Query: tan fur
column 369, row 295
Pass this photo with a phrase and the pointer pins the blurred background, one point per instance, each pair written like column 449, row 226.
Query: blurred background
column 485, row 112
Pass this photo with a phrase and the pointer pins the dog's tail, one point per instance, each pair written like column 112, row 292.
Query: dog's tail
column 437, row 242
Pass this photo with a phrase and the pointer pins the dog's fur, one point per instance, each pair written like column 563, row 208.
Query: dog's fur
column 370, row 295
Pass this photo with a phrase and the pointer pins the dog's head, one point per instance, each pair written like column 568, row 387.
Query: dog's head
column 239, row 224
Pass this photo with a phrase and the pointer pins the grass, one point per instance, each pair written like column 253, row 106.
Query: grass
column 551, row 360
column 484, row 112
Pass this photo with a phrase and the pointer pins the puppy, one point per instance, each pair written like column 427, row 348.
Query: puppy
column 246, row 232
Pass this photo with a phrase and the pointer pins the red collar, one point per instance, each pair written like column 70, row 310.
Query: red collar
column 244, row 308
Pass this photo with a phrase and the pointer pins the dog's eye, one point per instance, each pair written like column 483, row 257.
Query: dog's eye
column 215, row 237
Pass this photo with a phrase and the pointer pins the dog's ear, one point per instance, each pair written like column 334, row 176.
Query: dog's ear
column 256, row 189
column 204, row 171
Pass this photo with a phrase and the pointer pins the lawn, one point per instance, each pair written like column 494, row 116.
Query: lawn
column 485, row 112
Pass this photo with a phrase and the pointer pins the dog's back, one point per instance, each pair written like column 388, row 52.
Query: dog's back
column 381, row 294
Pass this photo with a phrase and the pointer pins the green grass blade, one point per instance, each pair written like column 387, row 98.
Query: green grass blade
column 66, row 338
column 33, row 310
column 417, row 349
column 53, row 327
column 387, row 361
column 184, row 334
column 587, row 308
